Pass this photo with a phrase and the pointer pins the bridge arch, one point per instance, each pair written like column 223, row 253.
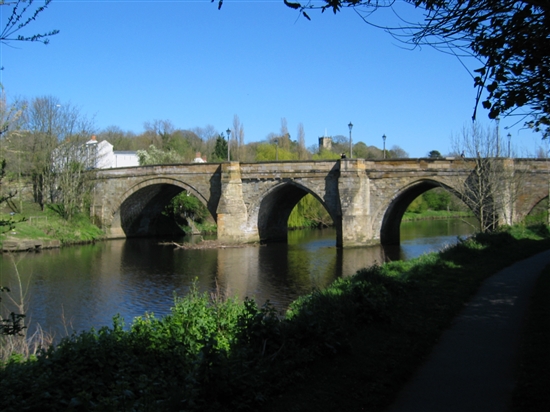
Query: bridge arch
column 272, row 210
column 529, row 208
column 138, row 210
column 366, row 199
column 394, row 211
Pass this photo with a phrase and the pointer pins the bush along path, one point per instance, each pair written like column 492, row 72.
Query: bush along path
column 348, row 347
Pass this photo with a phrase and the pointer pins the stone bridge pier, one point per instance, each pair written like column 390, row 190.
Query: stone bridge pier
column 251, row 202
column 255, row 206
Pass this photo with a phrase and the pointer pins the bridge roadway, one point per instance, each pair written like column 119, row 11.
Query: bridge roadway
column 251, row 202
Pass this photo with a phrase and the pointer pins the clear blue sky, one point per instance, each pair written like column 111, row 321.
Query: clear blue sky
column 128, row 62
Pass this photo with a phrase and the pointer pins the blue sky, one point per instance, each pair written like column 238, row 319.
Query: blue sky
column 129, row 62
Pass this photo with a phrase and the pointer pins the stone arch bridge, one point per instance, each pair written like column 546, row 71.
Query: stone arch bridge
column 251, row 202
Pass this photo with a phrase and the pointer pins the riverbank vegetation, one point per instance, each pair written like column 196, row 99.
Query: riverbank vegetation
column 48, row 224
column 348, row 347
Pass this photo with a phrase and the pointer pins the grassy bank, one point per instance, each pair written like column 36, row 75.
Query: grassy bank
column 349, row 347
column 48, row 225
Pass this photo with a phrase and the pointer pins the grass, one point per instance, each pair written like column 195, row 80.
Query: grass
column 48, row 225
column 348, row 347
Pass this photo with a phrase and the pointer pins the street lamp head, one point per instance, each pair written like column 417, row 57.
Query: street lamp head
column 228, row 131
column 350, row 125
column 384, row 137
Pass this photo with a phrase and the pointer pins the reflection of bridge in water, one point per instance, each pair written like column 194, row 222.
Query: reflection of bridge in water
column 282, row 274
column 251, row 202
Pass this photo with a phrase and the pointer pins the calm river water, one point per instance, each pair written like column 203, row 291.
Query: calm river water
column 75, row 288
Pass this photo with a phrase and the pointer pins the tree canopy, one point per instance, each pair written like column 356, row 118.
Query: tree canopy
column 434, row 154
column 509, row 38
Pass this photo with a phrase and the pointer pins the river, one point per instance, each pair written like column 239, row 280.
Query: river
column 75, row 288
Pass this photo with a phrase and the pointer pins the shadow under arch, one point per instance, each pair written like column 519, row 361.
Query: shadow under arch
column 390, row 233
column 537, row 210
column 140, row 213
column 276, row 207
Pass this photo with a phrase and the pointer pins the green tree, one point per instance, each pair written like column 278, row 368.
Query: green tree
column 434, row 154
column 509, row 39
column 266, row 152
column 418, row 205
column 179, row 142
column 185, row 209
column 309, row 213
column 220, row 150
column 396, row 152
column 437, row 199
column 361, row 151
column 325, row 154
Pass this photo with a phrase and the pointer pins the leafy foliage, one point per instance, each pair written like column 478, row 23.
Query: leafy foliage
column 154, row 156
column 309, row 213
column 436, row 199
column 220, row 150
column 325, row 154
column 185, row 207
column 267, row 152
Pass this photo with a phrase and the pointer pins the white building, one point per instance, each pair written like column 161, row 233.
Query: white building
column 100, row 155
column 125, row 158
column 198, row 158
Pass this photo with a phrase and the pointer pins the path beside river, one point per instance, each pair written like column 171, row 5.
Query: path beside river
column 473, row 367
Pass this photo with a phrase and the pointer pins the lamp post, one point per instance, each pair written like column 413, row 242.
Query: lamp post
column 228, row 131
column 384, row 140
column 350, row 125
column 277, row 149
column 509, row 140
